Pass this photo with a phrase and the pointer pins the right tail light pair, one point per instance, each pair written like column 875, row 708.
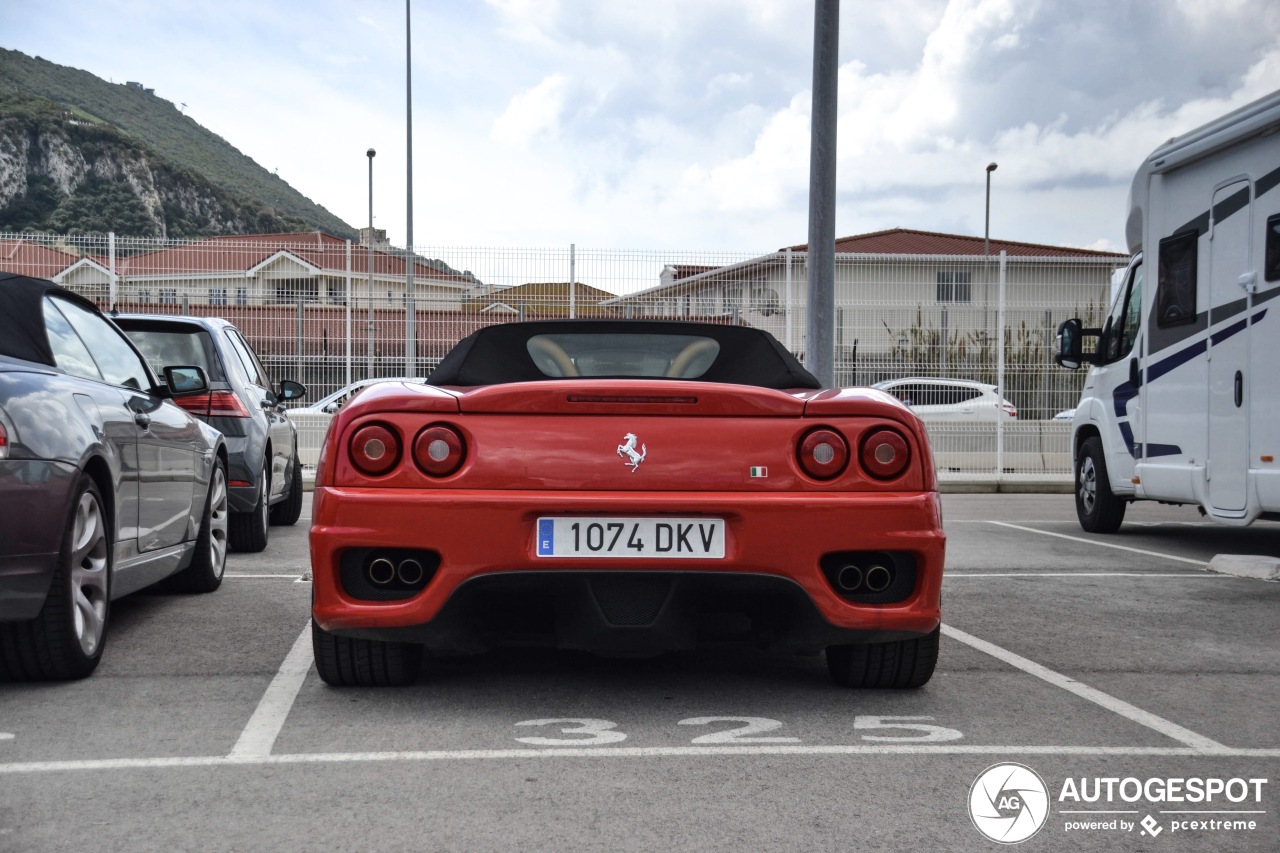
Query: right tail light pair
column 824, row 452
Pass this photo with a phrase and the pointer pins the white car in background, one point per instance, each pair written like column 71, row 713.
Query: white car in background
column 937, row 399
column 330, row 404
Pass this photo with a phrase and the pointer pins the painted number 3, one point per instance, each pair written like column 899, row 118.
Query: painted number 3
column 586, row 731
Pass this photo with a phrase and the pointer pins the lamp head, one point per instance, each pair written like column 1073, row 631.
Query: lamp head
column 371, row 153
column 991, row 167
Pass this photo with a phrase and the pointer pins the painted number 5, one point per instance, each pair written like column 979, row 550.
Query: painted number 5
column 591, row 732
column 924, row 733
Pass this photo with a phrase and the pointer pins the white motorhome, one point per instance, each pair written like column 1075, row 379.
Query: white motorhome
column 1182, row 401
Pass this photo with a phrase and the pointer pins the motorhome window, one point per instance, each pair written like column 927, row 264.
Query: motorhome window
column 1132, row 314
column 953, row 286
column 1273, row 248
column 1176, row 285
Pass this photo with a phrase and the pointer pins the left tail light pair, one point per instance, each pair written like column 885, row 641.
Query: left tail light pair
column 438, row 450
column 823, row 453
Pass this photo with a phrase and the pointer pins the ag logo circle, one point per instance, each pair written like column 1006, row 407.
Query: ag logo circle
column 1008, row 803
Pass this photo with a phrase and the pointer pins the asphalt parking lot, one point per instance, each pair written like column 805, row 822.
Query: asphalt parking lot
column 1083, row 658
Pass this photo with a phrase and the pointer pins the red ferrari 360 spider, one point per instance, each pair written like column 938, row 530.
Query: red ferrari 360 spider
column 627, row 487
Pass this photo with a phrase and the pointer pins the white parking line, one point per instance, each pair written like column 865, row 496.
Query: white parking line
column 1193, row 575
column 620, row 752
column 1101, row 544
column 268, row 718
column 1084, row 691
column 241, row 577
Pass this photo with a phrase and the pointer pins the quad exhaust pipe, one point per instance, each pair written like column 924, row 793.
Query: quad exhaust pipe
column 877, row 579
column 853, row 579
column 849, row 578
column 382, row 572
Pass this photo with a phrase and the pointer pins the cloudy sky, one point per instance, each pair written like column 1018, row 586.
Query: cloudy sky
column 670, row 124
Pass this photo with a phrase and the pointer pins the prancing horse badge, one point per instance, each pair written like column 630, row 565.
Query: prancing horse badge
column 627, row 450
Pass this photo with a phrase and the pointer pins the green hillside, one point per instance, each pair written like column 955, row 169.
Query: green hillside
column 157, row 125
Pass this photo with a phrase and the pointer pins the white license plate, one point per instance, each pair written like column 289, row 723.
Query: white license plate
column 644, row 538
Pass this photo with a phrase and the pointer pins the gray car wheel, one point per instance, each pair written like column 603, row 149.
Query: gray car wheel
column 66, row 639
column 210, row 560
column 249, row 529
column 289, row 510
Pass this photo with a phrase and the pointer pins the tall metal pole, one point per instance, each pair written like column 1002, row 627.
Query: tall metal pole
column 986, row 252
column 368, row 256
column 411, row 319
column 820, row 347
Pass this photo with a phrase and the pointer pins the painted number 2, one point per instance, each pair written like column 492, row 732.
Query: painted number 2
column 586, row 731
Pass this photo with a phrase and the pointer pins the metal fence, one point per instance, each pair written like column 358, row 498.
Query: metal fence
column 329, row 312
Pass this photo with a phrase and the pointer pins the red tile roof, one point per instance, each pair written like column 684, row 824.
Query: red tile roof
column 244, row 252
column 905, row 241
column 543, row 299
column 28, row 258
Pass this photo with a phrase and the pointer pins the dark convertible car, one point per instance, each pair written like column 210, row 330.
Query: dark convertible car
column 106, row 486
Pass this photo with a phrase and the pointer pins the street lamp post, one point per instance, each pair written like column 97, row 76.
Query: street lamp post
column 368, row 255
column 986, row 252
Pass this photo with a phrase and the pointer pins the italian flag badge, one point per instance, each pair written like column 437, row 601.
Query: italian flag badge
column 758, row 471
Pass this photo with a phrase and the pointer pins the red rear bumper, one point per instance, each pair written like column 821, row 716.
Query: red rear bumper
column 486, row 533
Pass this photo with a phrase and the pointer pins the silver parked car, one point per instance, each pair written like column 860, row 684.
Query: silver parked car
column 106, row 486
column 264, row 472
column 939, row 399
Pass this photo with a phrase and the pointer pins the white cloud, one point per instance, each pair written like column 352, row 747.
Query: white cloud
column 533, row 112
column 545, row 122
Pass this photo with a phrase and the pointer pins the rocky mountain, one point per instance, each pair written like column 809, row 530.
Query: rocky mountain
column 81, row 155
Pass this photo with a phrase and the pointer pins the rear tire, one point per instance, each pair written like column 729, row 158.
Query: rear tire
column 66, row 638
column 900, row 664
column 249, row 529
column 348, row 662
column 289, row 510
column 210, row 560
column 1097, row 507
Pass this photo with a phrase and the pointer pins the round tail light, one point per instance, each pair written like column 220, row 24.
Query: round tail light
column 885, row 454
column 823, row 453
column 439, row 450
column 375, row 449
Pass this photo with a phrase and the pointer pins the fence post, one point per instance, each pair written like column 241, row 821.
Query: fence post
column 1000, row 319
column 113, row 285
column 791, row 306
column 348, row 301
column 300, row 330
column 573, row 259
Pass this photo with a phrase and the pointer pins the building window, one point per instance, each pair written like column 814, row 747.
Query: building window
column 732, row 297
column 297, row 291
column 953, row 286
column 242, row 296
column 168, row 296
column 337, row 292
column 217, row 296
column 1176, row 280
column 144, row 296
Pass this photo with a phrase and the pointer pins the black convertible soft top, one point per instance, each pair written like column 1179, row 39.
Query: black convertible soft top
column 504, row 353
column 22, row 331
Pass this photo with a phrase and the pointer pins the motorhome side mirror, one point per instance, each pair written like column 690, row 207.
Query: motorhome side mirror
column 1069, row 350
column 185, row 379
